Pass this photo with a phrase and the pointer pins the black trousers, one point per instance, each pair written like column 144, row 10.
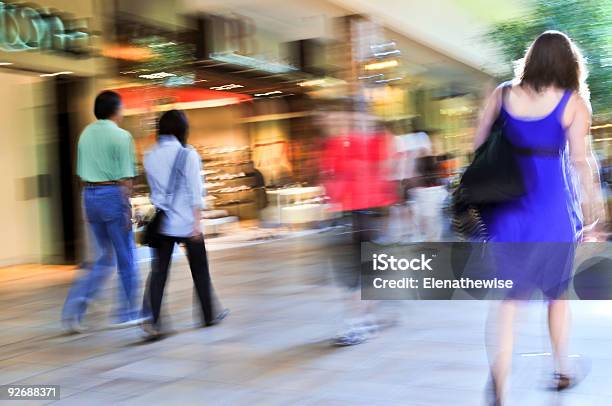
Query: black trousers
column 198, row 263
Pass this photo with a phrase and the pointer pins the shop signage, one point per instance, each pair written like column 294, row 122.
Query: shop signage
column 254, row 63
column 181, row 80
column 237, row 34
column 234, row 41
column 24, row 28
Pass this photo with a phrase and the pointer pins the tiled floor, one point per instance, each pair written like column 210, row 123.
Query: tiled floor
column 275, row 347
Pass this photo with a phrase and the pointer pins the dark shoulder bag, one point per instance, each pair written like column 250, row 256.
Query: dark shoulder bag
column 494, row 176
column 151, row 235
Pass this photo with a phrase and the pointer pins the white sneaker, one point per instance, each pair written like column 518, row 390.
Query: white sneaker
column 385, row 240
column 351, row 337
column 151, row 332
column 127, row 323
column 74, row 326
column 407, row 239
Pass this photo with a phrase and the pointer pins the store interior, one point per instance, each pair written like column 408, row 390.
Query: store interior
column 253, row 168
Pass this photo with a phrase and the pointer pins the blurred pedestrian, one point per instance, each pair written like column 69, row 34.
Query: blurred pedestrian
column 429, row 196
column 106, row 166
column 410, row 147
column 355, row 164
column 173, row 173
column 546, row 116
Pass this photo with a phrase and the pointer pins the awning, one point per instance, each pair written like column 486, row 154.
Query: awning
column 144, row 99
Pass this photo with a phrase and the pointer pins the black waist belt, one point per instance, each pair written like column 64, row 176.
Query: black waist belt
column 536, row 151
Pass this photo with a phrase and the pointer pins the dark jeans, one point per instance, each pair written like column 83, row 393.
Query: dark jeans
column 346, row 257
column 198, row 263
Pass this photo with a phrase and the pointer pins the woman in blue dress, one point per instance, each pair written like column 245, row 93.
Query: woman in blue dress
column 547, row 116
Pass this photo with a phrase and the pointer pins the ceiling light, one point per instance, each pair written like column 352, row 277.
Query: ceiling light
column 267, row 93
column 46, row 75
column 377, row 75
column 158, row 75
column 323, row 82
column 314, row 82
column 383, row 45
column 165, row 44
column 388, row 80
column 382, row 65
column 5, row 63
column 226, row 87
column 387, row 53
column 284, row 95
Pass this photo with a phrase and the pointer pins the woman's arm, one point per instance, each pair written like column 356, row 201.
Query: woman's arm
column 584, row 162
column 488, row 117
column 194, row 183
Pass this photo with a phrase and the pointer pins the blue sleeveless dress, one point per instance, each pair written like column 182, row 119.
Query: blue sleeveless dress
column 534, row 238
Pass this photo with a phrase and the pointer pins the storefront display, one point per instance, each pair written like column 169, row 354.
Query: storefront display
column 297, row 206
column 231, row 180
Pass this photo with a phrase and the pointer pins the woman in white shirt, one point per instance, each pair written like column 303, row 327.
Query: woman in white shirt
column 180, row 203
column 429, row 197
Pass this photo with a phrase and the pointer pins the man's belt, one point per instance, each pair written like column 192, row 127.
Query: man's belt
column 107, row 183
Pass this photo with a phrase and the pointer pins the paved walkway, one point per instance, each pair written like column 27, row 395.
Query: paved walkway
column 274, row 348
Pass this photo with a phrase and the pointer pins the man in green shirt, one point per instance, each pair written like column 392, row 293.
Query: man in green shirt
column 106, row 166
column 105, row 153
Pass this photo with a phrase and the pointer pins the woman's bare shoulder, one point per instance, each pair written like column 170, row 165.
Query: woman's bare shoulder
column 577, row 108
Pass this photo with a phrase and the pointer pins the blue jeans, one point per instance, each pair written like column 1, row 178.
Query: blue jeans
column 107, row 211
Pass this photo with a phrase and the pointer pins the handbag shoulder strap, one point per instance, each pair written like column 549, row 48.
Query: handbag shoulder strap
column 179, row 162
column 500, row 120
column 505, row 87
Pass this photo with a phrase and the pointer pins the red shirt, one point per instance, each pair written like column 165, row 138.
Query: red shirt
column 356, row 171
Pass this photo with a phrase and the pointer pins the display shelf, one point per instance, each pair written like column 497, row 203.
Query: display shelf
column 232, row 184
column 296, row 205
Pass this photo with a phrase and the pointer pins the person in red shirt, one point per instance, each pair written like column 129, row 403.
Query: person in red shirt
column 356, row 165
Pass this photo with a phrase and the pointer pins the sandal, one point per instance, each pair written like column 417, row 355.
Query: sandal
column 563, row 382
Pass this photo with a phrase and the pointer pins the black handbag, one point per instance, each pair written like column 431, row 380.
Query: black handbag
column 494, row 176
column 151, row 235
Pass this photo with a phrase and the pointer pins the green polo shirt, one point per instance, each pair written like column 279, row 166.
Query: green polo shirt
column 105, row 153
